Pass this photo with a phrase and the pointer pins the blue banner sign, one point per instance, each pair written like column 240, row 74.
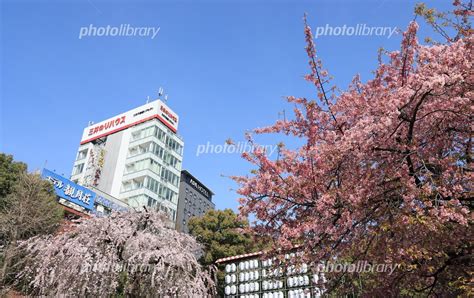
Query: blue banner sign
column 71, row 191
column 109, row 204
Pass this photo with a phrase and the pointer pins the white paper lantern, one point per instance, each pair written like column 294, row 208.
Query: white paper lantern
column 228, row 268
column 247, row 265
column 305, row 268
column 256, row 275
column 247, row 288
column 233, row 267
column 247, row 275
column 234, row 278
column 300, row 280
column 306, row 280
column 228, row 279
column 290, row 282
column 233, row 289
column 241, row 288
column 227, row 290
column 265, row 285
column 241, row 266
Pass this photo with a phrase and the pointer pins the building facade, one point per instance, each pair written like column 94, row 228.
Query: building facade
column 135, row 156
column 194, row 200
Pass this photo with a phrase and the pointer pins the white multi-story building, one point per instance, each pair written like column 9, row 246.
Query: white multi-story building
column 135, row 157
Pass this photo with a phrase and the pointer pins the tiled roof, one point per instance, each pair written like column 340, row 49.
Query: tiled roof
column 224, row 260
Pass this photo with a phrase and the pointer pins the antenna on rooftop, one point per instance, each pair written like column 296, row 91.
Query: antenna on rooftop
column 166, row 98
column 90, row 123
column 160, row 91
column 147, row 99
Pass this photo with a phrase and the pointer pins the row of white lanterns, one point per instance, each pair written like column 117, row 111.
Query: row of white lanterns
column 305, row 293
column 297, row 281
column 230, row 268
column 300, row 293
column 250, row 296
column 271, row 285
column 291, row 281
column 254, row 264
column 275, row 272
column 230, row 290
column 267, row 263
column 248, row 265
column 273, row 295
column 249, row 287
column 230, row 279
column 246, row 276
column 254, row 287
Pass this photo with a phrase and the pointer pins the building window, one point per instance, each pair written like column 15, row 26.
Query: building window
column 81, row 154
column 142, row 165
column 174, row 145
column 151, row 202
column 133, row 184
column 78, row 169
column 143, row 133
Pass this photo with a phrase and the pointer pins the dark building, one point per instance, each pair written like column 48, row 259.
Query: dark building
column 194, row 200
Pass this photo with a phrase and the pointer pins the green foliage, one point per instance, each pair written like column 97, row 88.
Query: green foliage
column 222, row 233
column 9, row 173
column 28, row 207
column 31, row 209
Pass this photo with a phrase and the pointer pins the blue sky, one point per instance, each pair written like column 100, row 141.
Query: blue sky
column 226, row 66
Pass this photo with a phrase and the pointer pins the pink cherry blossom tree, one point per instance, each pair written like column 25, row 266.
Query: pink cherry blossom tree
column 124, row 254
column 384, row 174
